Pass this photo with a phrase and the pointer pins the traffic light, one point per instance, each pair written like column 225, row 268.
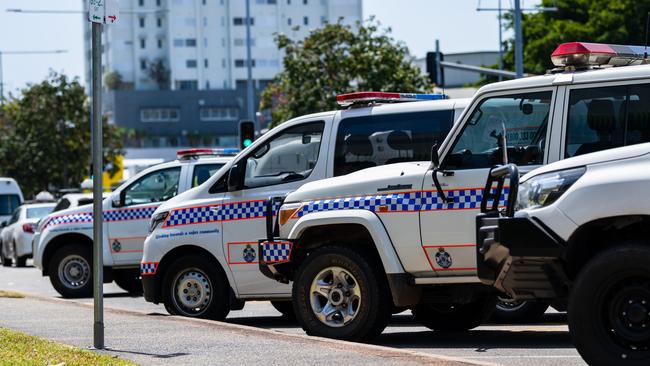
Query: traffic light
column 246, row 133
column 436, row 74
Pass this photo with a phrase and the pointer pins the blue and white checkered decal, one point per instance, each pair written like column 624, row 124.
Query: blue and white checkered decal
column 148, row 268
column 463, row 199
column 213, row 213
column 137, row 213
column 274, row 252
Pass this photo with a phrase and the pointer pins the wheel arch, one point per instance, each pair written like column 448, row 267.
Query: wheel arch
column 598, row 235
column 59, row 241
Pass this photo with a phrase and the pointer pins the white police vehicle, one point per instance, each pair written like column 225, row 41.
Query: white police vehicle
column 580, row 234
column 201, row 257
column 403, row 235
column 63, row 242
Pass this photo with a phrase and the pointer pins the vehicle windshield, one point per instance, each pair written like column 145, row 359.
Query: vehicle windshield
column 8, row 203
column 38, row 212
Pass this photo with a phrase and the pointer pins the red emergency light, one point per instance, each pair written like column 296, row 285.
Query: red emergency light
column 192, row 153
column 582, row 54
column 383, row 97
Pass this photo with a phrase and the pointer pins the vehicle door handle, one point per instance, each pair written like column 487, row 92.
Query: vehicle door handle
column 215, row 209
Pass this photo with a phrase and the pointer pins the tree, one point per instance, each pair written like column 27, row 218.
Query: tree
column 159, row 73
column 113, row 80
column 338, row 59
column 45, row 136
column 603, row 21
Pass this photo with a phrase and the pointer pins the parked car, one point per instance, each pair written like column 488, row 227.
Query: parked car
column 16, row 237
column 10, row 198
column 63, row 243
column 200, row 258
column 578, row 233
column 71, row 200
column 403, row 236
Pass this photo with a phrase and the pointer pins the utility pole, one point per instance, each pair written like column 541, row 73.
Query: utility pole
column 519, row 45
column 249, row 66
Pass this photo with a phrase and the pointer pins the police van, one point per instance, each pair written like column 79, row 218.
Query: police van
column 64, row 239
column 200, row 258
column 403, row 235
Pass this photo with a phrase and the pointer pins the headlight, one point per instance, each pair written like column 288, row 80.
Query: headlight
column 544, row 189
column 287, row 211
column 157, row 219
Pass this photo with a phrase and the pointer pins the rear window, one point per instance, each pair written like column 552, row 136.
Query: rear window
column 38, row 212
column 8, row 203
column 62, row 205
column 369, row 141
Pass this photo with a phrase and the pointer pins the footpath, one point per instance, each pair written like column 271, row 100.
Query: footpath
column 156, row 339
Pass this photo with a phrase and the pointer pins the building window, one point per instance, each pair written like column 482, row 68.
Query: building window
column 143, row 64
column 323, row 20
column 288, row 21
column 141, row 2
column 211, row 114
column 159, row 115
column 179, row 43
column 288, row 2
column 205, row 21
column 190, row 64
column 242, row 42
column 305, row 20
column 187, row 84
column 190, row 42
column 160, row 43
column 159, row 22
column 240, row 21
column 141, row 20
column 204, row 2
column 205, row 63
column 205, row 42
column 158, row 2
column 239, row 63
column 223, row 63
column 143, row 43
column 207, row 84
column 304, row 2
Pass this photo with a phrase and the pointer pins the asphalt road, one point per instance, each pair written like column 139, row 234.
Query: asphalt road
column 542, row 344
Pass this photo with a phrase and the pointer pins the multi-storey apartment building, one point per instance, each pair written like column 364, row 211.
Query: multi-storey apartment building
column 175, row 70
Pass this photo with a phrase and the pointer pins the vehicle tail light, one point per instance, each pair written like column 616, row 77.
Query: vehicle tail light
column 29, row 228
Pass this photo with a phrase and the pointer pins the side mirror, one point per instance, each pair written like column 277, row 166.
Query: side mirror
column 3, row 224
column 118, row 199
column 435, row 159
column 235, row 178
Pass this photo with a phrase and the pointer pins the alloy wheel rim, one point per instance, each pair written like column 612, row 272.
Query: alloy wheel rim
column 74, row 271
column 335, row 297
column 192, row 292
column 507, row 304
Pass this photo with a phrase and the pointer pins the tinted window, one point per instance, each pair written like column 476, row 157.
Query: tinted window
column 8, row 203
column 15, row 216
column 289, row 156
column 368, row 141
column 84, row 201
column 154, row 187
column 203, row 172
column 38, row 212
column 524, row 118
column 604, row 118
column 62, row 205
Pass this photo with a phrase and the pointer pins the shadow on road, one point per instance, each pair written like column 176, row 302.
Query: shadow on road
column 155, row 355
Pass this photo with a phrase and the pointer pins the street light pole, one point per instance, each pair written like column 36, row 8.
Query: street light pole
column 519, row 46
column 249, row 66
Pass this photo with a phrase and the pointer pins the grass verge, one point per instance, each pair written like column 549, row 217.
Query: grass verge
column 11, row 294
column 22, row 349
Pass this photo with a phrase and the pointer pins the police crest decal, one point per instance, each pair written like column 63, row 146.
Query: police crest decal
column 443, row 258
column 249, row 253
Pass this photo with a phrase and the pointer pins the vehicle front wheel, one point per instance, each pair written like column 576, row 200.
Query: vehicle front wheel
column 19, row 261
column 455, row 317
column 192, row 287
column 71, row 271
column 129, row 281
column 339, row 293
column 516, row 311
column 609, row 307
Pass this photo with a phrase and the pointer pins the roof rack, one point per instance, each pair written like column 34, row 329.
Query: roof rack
column 186, row 154
column 373, row 97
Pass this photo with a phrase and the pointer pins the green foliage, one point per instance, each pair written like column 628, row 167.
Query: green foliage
column 338, row 59
column 45, row 136
column 113, row 80
column 604, row 21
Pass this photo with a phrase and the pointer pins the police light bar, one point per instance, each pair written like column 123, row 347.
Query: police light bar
column 192, row 153
column 596, row 54
column 345, row 100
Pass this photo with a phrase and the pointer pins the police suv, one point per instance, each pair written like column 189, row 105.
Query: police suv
column 580, row 234
column 64, row 239
column 403, row 235
column 201, row 258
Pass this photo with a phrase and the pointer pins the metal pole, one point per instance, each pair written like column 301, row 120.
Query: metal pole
column 2, row 85
column 97, row 153
column 500, row 41
column 249, row 83
column 439, row 80
column 519, row 48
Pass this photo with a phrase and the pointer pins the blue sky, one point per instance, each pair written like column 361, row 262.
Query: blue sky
column 416, row 22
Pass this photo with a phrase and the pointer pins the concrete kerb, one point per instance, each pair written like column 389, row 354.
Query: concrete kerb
column 369, row 349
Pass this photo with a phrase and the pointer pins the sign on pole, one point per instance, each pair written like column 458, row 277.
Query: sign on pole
column 103, row 11
column 99, row 12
